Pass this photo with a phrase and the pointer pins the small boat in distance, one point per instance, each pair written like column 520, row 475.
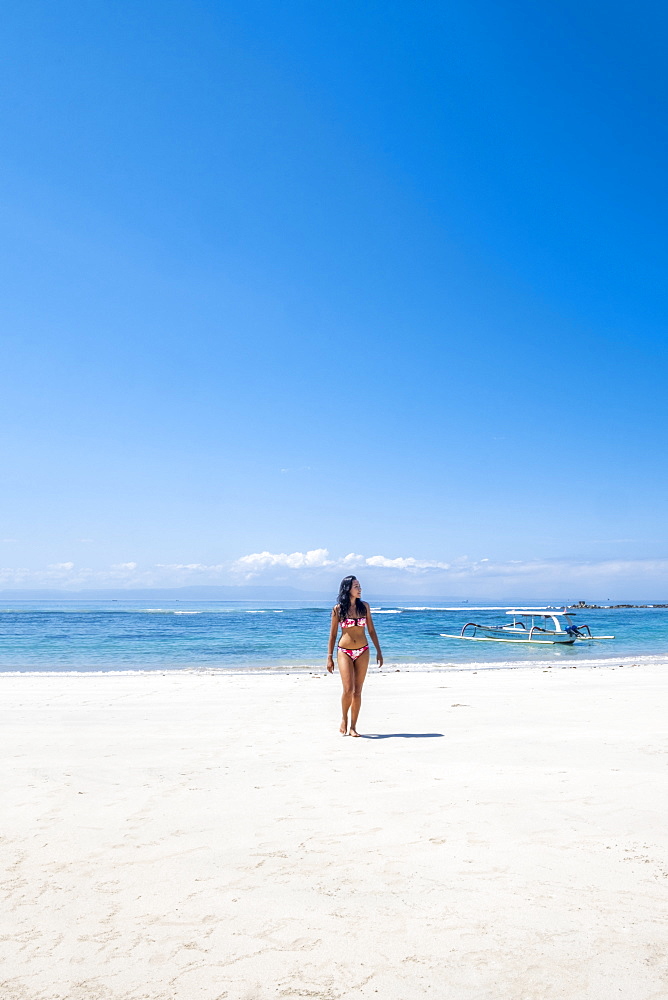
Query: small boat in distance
column 524, row 628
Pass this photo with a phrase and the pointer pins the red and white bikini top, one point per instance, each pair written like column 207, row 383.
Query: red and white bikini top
column 351, row 622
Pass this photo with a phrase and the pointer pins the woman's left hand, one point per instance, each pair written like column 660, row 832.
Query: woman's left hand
column 379, row 659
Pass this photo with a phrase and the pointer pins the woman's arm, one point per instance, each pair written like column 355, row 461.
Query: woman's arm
column 374, row 637
column 334, row 628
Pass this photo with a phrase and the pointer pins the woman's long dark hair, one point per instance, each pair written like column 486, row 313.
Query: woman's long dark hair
column 345, row 600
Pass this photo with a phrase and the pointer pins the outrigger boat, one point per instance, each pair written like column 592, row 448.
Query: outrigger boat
column 525, row 629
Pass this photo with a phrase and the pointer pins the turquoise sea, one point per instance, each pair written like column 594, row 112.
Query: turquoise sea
column 114, row 636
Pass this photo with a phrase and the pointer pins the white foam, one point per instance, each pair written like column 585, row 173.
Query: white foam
column 486, row 607
column 418, row 666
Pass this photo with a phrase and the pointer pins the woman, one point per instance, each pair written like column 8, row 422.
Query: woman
column 352, row 614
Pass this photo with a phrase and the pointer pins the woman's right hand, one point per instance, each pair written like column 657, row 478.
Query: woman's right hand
column 330, row 664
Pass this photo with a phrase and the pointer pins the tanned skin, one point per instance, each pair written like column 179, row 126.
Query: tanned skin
column 353, row 672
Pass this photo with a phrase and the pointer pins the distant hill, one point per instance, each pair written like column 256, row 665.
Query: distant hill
column 279, row 593
column 212, row 593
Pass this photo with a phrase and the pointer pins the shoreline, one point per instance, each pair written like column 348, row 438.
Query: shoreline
column 415, row 667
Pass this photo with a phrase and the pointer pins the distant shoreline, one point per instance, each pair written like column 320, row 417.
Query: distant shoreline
column 199, row 596
column 610, row 607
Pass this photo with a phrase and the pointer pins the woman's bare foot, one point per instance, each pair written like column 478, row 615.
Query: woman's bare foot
column 353, row 732
column 343, row 728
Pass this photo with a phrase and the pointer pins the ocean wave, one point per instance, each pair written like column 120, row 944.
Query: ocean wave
column 486, row 607
column 167, row 611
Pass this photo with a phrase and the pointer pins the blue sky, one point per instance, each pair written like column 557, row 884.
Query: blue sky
column 380, row 281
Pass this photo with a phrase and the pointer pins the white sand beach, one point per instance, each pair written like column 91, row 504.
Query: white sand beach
column 199, row 836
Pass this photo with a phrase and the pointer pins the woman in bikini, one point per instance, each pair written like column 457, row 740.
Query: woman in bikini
column 352, row 614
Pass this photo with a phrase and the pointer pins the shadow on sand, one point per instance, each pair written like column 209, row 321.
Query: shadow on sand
column 399, row 736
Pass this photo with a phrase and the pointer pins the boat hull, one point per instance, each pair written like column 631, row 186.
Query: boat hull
column 523, row 635
column 500, row 634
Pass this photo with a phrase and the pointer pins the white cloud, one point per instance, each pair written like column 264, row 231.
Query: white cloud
column 563, row 571
column 256, row 562
column 70, row 576
column 317, row 568
column 193, row 567
column 461, row 574
column 404, row 562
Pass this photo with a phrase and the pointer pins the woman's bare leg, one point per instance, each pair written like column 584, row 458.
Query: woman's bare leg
column 360, row 668
column 346, row 669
